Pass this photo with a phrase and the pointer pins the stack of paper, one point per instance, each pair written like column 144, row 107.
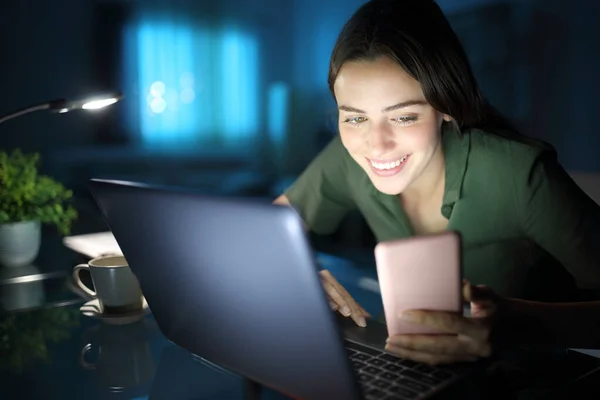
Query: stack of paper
column 94, row 244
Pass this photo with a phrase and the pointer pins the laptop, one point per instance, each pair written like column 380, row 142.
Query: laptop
column 234, row 281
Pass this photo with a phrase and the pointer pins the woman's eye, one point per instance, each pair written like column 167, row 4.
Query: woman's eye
column 403, row 121
column 355, row 120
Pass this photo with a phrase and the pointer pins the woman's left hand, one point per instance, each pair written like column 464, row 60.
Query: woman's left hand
column 468, row 338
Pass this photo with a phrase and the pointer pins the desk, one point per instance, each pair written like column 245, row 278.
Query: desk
column 48, row 350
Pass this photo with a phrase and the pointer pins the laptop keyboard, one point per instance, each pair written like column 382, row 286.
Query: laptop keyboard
column 386, row 377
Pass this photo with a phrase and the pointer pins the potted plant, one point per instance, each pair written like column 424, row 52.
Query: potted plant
column 28, row 199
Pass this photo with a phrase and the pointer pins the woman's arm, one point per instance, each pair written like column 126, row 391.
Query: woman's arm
column 322, row 195
column 497, row 323
column 563, row 220
column 558, row 216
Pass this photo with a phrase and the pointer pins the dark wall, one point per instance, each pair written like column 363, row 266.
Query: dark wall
column 536, row 59
column 565, row 61
column 45, row 53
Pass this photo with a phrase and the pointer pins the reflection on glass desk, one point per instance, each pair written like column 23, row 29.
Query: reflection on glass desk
column 49, row 350
column 57, row 353
column 27, row 287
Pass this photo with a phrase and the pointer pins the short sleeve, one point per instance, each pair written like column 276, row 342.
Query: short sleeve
column 321, row 194
column 560, row 217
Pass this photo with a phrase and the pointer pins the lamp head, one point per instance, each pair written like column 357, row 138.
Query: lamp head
column 92, row 103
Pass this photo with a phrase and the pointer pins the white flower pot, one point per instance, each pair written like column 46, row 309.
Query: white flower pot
column 19, row 243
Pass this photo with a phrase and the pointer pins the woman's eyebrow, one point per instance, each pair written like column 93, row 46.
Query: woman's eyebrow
column 398, row 106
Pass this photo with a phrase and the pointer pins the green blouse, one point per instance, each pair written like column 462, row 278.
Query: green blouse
column 527, row 229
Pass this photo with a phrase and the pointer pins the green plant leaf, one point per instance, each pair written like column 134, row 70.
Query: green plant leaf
column 26, row 195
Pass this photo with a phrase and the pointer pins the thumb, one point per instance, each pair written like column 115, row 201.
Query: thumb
column 481, row 293
column 467, row 291
column 483, row 300
column 472, row 293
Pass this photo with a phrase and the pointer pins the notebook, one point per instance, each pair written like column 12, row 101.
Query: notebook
column 93, row 244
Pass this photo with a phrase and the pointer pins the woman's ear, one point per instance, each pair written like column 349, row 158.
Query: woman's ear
column 447, row 118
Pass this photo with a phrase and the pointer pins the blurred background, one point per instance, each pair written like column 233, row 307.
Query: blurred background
column 230, row 96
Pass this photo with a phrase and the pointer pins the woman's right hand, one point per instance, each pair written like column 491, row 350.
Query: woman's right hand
column 341, row 301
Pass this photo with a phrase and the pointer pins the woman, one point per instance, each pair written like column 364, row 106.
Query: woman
column 420, row 151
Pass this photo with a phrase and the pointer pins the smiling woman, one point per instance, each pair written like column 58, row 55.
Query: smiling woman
column 379, row 101
column 421, row 151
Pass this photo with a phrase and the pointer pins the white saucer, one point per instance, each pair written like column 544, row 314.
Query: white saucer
column 92, row 309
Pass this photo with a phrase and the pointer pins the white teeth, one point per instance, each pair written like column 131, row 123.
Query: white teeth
column 388, row 165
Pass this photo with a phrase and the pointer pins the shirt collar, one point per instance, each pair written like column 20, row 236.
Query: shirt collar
column 456, row 153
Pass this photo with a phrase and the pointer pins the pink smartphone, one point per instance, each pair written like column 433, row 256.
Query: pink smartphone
column 421, row 272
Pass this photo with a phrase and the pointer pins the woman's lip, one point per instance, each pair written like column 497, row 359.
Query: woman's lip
column 386, row 161
column 389, row 172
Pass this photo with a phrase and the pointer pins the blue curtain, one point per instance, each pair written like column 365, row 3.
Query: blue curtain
column 194, row 81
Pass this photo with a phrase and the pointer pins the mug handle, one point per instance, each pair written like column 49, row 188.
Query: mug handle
column 78, row 281
column 82, row 361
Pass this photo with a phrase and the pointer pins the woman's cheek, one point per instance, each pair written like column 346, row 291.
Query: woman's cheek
column 419, row 139
column 351, row 141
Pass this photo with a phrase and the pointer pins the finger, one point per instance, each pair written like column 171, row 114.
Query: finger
column 484, row 301
column 333, row 305
column 348, row 306
column 467, row 291
column 478, row 297
column 441, row 344
column 429, row 358
column 482, row 292
column 448, row 322
column 356, row 311
column 364, row 312
column 343, row 304
column 473, row 293
column 482, row 309
column 336, row 298
column 359, row 319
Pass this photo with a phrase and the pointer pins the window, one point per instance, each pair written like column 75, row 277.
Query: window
column 192, row 84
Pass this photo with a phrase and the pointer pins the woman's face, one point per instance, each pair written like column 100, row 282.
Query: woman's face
column 386, row 124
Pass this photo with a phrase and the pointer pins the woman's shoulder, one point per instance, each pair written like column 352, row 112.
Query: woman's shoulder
column 512, row 152
column 509, row 163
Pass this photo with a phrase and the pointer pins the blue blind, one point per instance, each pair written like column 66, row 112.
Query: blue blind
column 194, row 84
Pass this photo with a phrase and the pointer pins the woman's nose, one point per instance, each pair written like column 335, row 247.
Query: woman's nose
column 381, row 142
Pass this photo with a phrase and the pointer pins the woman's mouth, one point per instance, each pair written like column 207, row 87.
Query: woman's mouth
column 387, row 168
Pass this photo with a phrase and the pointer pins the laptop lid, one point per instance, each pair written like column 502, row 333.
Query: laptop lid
column 233, row 281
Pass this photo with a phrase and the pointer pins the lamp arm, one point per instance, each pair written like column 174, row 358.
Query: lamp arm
column 49, row 105
column 24, row 111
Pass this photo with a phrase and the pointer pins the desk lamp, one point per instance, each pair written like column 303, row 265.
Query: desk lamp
column 62, row 106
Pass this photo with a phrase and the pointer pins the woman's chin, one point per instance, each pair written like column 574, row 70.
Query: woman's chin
column 389, row 186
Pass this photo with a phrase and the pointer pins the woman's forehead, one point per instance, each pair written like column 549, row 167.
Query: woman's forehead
column 375, row 82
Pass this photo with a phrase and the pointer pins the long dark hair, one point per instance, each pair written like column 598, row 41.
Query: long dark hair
column 417, row 35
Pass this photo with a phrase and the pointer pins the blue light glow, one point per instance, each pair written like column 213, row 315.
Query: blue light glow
column 278, row 111
column 193, row 84
column 239, row 85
